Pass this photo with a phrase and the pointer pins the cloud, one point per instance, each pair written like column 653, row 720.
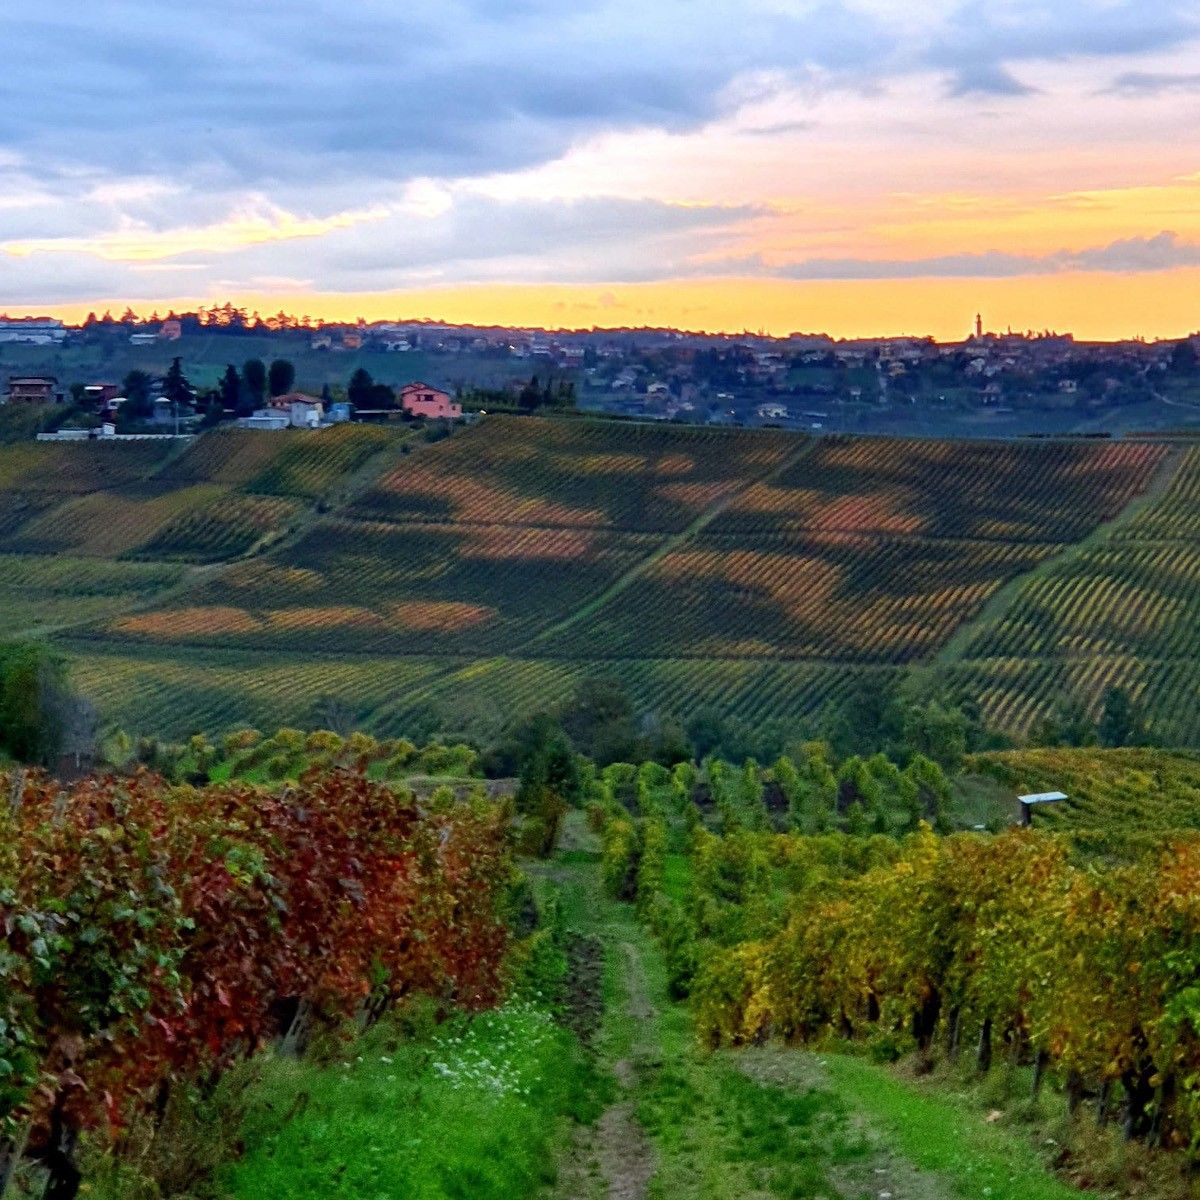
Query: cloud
column 1153, row 83
column 263, row 94
column 219, row 142
column 987, row 79
column 469, row 237
column 1164, row 252
column 982, row 40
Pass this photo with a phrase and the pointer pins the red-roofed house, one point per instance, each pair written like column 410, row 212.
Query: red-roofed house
column 421, row 400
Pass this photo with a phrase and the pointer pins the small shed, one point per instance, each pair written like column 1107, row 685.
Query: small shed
column 1029, row 803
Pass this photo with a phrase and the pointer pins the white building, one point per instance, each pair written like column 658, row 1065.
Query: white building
column 32, row 331
column 306, row 414
column 265, row 418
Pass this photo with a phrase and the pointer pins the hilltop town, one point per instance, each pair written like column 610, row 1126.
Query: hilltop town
column 999, row 384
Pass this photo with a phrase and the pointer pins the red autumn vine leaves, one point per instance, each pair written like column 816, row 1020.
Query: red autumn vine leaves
column 153, row 932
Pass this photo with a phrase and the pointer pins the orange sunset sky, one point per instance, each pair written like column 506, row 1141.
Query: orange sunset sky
column 848, row 167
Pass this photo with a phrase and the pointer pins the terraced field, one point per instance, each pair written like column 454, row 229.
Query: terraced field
column 1122, row 610
column 1117, row 798
column 488, row 574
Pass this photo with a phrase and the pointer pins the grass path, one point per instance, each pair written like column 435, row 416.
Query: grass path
column 765, row 1122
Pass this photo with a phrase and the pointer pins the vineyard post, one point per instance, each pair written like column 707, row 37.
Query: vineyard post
column 14, row 799
column 1040, row 1063
column 983, row 1057
column 953, row 1031
column 12, row 1150
column 1076, row 1089
column 296, row 1037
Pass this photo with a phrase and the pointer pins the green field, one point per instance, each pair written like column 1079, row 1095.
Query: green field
column 205, row 357
column 243, row 577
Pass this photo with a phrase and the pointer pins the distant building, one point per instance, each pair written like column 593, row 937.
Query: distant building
column 303, row 411
column 772, row 412
column 34, row 389
column 266, row 418
column 143, row 339
column 421, row 400
column 32, row 331
column 101, row 394
column 306, row 414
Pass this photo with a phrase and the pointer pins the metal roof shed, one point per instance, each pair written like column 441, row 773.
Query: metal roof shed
column 1029, row 803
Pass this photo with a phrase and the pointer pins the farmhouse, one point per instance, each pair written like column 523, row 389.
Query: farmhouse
column 34, row 389
column 303, row 411
column 421, row 400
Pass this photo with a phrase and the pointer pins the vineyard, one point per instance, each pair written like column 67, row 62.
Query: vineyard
column 835, row 597
column 755, row 571
column 216, row 499
column 1064, row 955
column 1117, row 797
column 956, row 947
column 577, row 474
column 1034, row 492
column 1121, row 611
column 157, row 935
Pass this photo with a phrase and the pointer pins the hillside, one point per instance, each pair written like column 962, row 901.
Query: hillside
column 757, row 571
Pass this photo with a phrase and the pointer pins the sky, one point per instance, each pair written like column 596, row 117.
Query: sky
column 858, row 167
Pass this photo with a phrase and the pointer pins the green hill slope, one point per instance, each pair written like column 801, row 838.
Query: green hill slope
column 486, row 574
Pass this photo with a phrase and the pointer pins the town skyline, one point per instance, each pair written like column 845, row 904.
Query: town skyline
column 76, row 317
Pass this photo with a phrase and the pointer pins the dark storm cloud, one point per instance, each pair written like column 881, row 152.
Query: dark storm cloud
column 278, row 90
column 274, row 91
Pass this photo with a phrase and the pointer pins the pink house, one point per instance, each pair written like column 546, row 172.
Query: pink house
column 421, row 400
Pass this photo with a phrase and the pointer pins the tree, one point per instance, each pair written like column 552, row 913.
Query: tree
column 1070, row 724
column 1183, row 359
column 281, row 376
column 214, row 410
column 360, row 388
column 231, row 391
column 1121, row 722
column 176, row 387
column 600, row 721
column 930, row 791
column 937, row 731
column 530, row 396
column 254, row 376
column 35, row 701
column 550, row 783
column 136, row 389
column 856, row 785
